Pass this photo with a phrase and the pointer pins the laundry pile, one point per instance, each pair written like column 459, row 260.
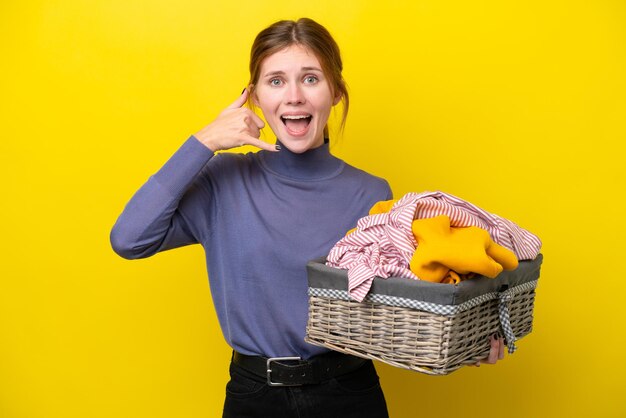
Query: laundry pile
column 430, row 236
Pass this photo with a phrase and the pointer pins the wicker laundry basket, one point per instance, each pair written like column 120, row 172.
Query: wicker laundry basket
column 431, row 328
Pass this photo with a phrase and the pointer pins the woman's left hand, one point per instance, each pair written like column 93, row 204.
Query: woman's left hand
column 496, row 352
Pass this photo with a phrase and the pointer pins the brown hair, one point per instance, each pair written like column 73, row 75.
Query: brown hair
column 311, row 35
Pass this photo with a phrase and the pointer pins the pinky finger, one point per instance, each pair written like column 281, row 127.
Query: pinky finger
column 255, row 142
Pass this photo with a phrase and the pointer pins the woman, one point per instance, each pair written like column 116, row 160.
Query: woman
column 260, row 217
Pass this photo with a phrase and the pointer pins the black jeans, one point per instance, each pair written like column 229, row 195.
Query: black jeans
column 355, row 394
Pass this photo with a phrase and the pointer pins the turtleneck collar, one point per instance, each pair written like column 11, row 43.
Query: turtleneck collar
column 314, row 164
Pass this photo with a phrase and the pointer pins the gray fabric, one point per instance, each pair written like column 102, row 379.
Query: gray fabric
column 322, row 276
column 425, row 306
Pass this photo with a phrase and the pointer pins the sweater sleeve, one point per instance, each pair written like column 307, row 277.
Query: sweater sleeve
column 152, row 220
column 389, row 191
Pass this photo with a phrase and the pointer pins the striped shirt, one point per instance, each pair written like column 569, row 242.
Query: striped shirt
column 382, row 244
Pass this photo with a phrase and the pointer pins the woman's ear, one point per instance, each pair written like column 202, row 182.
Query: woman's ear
column 253, row 95
column 337, row 98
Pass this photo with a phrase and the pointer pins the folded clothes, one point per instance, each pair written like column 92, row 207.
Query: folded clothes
column 383, row 243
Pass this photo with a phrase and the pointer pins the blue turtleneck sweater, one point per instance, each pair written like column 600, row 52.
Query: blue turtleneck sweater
column 260, row 218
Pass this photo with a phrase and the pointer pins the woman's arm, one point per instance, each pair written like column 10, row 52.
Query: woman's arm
column 153, row 221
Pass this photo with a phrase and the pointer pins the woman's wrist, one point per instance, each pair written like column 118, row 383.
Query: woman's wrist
column 207, row 141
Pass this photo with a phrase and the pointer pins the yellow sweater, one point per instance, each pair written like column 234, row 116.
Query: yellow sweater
column 443, row 249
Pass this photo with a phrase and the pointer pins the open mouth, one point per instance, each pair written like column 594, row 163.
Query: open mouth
column 296, row 124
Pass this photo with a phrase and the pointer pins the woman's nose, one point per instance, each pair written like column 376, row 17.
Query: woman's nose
column 294, row 94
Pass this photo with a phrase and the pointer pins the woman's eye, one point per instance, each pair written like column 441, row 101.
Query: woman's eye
column 310, row 79
column 275, row 82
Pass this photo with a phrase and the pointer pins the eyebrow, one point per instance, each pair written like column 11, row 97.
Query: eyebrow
column 271, row 73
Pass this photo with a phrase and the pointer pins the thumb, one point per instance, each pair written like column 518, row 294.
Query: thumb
column 241, row 100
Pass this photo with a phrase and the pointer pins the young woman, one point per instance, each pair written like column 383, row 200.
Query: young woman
column 260, row 218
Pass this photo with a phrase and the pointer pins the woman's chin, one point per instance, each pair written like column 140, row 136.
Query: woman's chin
column 300, row 145
column 296, row 147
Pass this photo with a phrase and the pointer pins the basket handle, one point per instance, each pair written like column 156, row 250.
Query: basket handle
column 504, row 297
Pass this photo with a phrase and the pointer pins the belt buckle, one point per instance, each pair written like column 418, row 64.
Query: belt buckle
column 269, row 370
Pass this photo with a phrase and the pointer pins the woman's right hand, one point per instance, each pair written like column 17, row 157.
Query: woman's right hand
column 234, row 127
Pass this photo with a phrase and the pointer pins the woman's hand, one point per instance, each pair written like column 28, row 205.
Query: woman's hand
column 496, row 352
column 234, row 127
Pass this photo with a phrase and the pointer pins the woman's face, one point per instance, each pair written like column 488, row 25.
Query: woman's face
column 295, row 97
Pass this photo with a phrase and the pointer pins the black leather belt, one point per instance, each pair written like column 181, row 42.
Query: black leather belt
column 292, row 371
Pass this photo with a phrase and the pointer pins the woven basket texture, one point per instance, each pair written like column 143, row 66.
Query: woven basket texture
column 412, row 339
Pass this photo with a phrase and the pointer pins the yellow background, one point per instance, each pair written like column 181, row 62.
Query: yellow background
column 518, row 107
